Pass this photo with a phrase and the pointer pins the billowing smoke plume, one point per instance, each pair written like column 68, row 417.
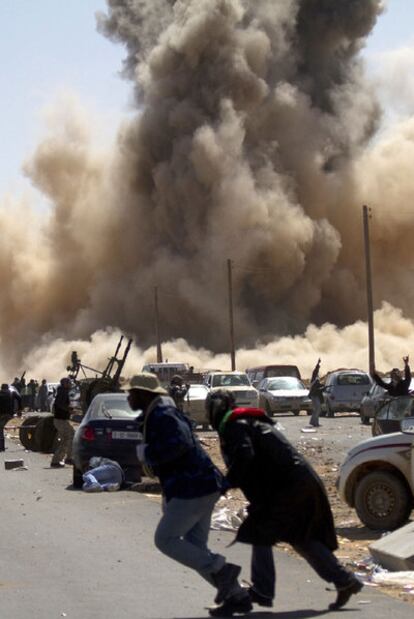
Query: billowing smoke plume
column 251, row 142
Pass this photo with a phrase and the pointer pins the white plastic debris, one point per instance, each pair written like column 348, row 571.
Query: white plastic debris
column 403, row 579
column 224, row 519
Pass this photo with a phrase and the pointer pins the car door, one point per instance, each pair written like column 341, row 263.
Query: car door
column 389, row 416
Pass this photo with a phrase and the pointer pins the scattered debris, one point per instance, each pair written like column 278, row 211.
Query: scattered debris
column 13, row 464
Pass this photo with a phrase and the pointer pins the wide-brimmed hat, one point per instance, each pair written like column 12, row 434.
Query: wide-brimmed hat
column 144, row 382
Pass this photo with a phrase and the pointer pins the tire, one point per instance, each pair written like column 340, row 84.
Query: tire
column 375, row 428
column 27, row 432
column 296, row 413
column 45, row 435
column 382, row 501
column 365, row 421
column 77, row 479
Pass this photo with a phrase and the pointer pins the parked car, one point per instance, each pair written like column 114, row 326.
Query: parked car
column 377, row 478
column 236, row 382
column 372, row 401
column 389, row 416
column 194, row 404
column 284, row 394
column 109, row 429
column 257, row 374
column 344, row 390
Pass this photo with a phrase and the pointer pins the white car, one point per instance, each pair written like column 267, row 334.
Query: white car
column 344, row 390
column 377, row 478
column 194, row 404
column 284, row 394
column 236, row 382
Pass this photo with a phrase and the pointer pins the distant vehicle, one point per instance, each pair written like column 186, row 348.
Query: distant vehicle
column 377, row 478
column 390, row 414
column 236, row 382
column 257, row 374
column 194, row 404
column 109, row 429
column 372, row 401
column 165, row 371
column 283, row 394
column 344, row 390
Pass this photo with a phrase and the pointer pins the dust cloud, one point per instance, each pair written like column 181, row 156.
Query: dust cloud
column 254, row 139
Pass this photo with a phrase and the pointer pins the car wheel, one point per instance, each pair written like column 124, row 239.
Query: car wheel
column 375, row 428
column 77, row 478
column 296, row 413
column 382, row 501
column 365, row 421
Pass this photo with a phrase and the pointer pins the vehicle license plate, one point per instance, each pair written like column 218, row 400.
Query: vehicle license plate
column 132, row 436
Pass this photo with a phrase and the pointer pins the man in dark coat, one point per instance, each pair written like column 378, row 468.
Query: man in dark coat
column 398, row 385
column 287, row 500
column 316, row 390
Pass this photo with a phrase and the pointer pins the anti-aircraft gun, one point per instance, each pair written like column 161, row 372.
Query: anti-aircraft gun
column 104, row 381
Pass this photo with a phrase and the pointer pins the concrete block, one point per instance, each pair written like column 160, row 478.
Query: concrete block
column 395, row 552
column 12, row 464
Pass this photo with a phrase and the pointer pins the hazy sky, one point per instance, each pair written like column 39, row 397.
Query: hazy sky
column 50, row 46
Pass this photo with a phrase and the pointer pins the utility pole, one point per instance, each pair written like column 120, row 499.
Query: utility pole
column 231, row 322
column 371, row 345
column 157, row 326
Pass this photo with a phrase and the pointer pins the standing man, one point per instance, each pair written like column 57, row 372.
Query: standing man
column 287, row 499
column 315, row 393
column 65, row 432
column 398, row 385
column 191, row 485
column 10, row 402
column 178, row 390
column 42, row 396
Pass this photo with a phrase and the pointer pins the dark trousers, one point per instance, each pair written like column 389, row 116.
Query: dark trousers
column 319, row 557
column 3, row 420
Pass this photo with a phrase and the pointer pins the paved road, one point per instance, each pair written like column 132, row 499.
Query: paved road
column 68, row 554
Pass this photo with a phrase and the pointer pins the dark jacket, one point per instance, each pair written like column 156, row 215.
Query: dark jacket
column 316, row 388
column 401, row 388
column 288, row 501
column 173, row 452
column 61, row 404
column 7, row 403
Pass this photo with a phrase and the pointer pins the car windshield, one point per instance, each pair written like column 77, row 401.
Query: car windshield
column 397, row 409
column 287, row 382
column 353, row 379
column 114, row 408
column 230, row 380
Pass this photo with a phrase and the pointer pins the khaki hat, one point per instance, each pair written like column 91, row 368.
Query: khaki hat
column 145, row 382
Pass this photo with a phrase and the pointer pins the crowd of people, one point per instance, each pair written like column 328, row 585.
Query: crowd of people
column 34, row 395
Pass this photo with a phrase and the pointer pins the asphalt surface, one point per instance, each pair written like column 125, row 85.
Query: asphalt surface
column 65, row 553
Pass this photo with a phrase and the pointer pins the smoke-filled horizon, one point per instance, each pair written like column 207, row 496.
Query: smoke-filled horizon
column 252, row 141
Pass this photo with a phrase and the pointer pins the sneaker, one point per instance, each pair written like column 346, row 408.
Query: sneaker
column 57, row 465
column 231, row 607
column 344, row 593
column 258, row 598
column 224, row 580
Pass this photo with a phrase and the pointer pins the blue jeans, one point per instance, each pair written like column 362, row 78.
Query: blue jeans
column 182, row 534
